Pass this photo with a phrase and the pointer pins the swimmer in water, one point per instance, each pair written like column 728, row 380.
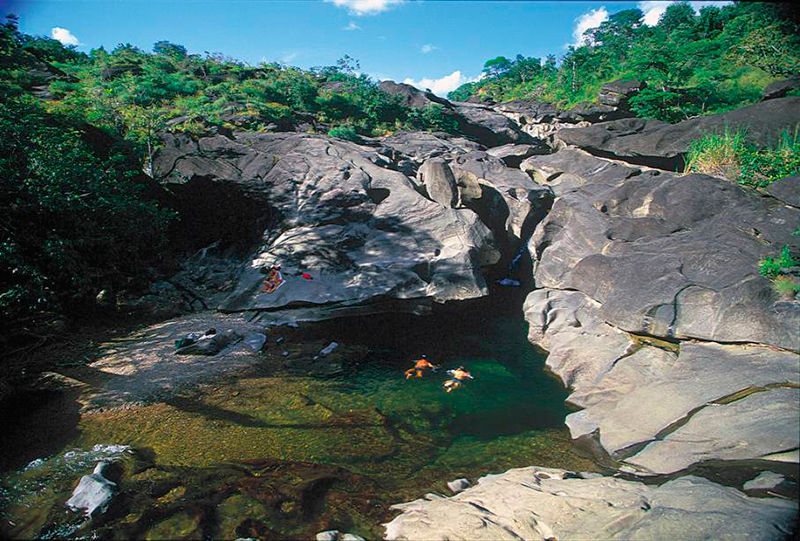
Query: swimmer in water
column 420, row 365
column 457, row 378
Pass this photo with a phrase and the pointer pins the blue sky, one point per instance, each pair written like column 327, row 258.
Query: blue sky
column 435, row 44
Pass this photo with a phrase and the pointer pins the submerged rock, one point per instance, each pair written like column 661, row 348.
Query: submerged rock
column 542, row 503
column 764, row 480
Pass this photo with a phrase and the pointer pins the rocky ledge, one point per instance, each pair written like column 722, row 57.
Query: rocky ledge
column 541, row 503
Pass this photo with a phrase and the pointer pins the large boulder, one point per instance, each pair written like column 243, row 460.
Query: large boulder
column 658, row 144
column 506, row 199
column 489, row 127
column 411, row 96
column 634, row 264
column 673, row 257
column 409, row 149
column 543, row 503
column 336, row 210
column 439, row 182
column 617, row 93
column 513, row 155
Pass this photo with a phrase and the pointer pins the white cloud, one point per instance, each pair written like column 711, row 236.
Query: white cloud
column 64, row 36
column 593, row 19
column 288, row 57
column 428, row 48
column 654, row 9
column 366, row 7
column 443, row 85
column 351, row 26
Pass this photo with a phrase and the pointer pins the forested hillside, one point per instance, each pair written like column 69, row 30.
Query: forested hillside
column 693, row 64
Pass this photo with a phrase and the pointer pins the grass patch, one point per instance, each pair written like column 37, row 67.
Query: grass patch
column 728, row 155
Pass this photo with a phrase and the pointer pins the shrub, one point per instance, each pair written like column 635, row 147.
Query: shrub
column 718, row 154
column 73, row 222
column 771, row 267
column 728, row 155
column 348, row 133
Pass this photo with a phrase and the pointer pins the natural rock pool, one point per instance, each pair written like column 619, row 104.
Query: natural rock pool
column 294, row 445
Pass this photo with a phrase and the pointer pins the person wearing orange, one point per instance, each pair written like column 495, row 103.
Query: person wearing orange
column 420, row 365
column 457, row 378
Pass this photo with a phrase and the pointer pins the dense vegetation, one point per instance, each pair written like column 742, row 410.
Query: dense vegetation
column 77, row 132
column 693, row 64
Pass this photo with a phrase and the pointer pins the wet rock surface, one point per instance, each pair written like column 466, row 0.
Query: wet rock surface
column 542, row 503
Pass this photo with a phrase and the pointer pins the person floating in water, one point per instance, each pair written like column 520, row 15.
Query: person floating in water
column 420, row 365
column 457, row 378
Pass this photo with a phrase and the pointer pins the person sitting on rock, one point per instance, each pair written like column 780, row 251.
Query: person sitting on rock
column 274, row 279
column 457, row 378
column 420, row 365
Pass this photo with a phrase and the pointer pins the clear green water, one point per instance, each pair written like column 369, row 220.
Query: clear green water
column 296, row 445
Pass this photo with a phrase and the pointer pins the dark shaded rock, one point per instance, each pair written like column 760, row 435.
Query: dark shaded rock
column 337, row 209
column 513, row 155
column 662, row 145
column 787, row 190
column 489, row 127
column 593, row 113
column 779, row 89
column 617, row 93
column 412, row 96
column 480, row 99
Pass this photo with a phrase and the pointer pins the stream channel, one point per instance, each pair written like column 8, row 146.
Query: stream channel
column 293, row 445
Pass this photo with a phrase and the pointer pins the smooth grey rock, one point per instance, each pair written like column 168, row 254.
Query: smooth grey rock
column 582, row 347
column 662, row 260
column 341, row 211
column 255, row 341
column 787, row 190
column 439, row 182
column 458, row 485
column 540, row 503
column 508, row 197
column 764, row 480
column 489, row 127
column 420, row 146
column 569, row 169
column 93, row 493
column 211, row 344
column 513, row 155
column 662, row 145
column 757, row 425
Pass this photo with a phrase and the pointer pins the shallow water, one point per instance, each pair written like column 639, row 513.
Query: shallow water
column 298, row 445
